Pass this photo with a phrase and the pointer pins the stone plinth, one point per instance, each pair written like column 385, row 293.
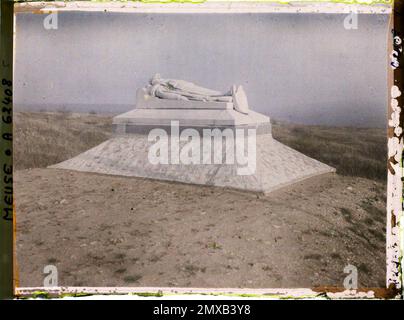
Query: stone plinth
column 272, row 166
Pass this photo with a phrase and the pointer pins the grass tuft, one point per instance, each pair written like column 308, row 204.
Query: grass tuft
column 356, row 152
column 45, row 138
column 131, row 279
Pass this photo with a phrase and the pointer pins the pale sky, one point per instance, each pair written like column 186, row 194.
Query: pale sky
column 304, row 68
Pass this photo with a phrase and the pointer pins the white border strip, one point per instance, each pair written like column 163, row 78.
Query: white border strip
column 206, row 7
column 169, row 293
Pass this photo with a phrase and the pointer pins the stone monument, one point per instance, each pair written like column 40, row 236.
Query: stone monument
column 183, row 132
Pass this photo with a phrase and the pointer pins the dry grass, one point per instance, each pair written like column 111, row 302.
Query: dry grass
column 42, row 139
column 356, row 152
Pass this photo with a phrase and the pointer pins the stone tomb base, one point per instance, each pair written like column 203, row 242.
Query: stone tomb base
column 127, row 154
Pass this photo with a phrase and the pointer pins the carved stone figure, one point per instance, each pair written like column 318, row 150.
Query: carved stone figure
column 183, row 90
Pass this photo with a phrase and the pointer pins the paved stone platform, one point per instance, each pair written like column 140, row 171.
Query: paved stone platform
column 127, row 155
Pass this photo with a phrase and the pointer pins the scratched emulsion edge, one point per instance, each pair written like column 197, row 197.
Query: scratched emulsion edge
column 369, row 2
column 394, row 230
column 34, row 6
column 6, row 184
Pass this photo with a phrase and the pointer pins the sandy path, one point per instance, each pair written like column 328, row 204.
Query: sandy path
column 104, row 230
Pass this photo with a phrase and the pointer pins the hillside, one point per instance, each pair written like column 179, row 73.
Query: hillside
column 102, row 230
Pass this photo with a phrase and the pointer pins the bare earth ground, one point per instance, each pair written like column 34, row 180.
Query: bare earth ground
column 102, row 230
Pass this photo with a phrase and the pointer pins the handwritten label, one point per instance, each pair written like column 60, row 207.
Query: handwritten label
column 7, row 168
